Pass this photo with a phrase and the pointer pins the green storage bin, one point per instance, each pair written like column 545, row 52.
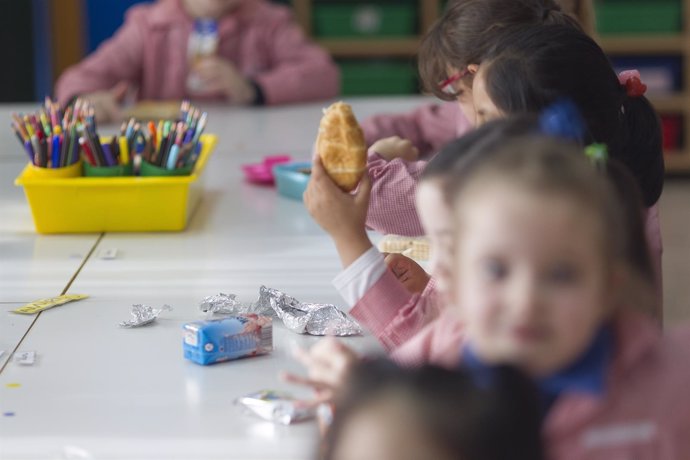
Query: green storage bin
column 369, row 78
column 364, row 20
column 638, row 17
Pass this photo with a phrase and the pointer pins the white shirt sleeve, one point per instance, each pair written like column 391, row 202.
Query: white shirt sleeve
column 360, row 276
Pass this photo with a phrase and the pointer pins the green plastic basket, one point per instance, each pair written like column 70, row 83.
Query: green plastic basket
column 638, row 17
column 364, row 20
column 360, row 78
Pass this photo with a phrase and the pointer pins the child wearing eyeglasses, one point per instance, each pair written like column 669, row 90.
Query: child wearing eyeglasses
column 467, row 29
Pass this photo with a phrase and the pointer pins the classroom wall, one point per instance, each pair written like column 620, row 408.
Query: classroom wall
column 102, row 18
column 17, row 81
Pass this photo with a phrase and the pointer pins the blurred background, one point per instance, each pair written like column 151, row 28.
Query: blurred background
column 374, row 43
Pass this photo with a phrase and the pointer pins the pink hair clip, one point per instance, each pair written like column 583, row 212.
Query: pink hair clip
column 632, row 81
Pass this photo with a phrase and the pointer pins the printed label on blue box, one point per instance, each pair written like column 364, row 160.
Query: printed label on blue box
column 213, row 341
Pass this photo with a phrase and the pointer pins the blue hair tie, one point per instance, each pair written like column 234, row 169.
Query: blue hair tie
column 563, row 120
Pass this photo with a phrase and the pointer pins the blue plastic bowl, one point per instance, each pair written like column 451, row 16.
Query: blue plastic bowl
column 290, row 180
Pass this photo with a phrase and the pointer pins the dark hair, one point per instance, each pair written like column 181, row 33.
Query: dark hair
column 468, row 28
column 630, row 199
column 529, row 69
column 469, row 420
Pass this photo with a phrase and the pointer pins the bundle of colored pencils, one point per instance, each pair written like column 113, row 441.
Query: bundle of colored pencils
column 50, row 137
column 169, row 144
column 94, row 151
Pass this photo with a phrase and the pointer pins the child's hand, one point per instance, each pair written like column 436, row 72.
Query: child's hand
column 220, row 76
column 408, row 272
column 342, row 215
column 328, row 366
column 394, row 147
column 106, row 103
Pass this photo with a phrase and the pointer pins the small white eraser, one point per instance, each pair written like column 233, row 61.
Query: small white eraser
column 26, row 358
column 109, row 254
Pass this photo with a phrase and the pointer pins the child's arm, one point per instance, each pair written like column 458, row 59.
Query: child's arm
column 118, row 59
column 300, row 71
column 439, row 343
column 392, row 313
column 340, row 214
column 428, row 127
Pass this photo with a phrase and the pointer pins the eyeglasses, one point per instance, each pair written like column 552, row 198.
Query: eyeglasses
column 446, row 86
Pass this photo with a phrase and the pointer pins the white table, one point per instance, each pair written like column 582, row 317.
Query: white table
column 12, row 329
column 31, row 266
column 108, row 392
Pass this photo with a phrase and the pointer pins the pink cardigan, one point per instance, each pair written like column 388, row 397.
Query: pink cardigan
column 394, row 315
column 150, row 52
column 645, row 412
column 394, row 183
column 428, row 127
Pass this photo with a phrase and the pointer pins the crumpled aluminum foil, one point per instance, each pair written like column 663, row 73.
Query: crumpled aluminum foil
column 278, row 407
column 307, row 318
column 143, row 315
column 228, row 305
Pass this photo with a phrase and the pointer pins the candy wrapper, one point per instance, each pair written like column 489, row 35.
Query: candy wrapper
column 278, row 407
column 208, row 342
column 225, row 304
column 143, row 315
column 307, row 318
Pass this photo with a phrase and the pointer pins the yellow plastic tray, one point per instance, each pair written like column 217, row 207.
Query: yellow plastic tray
column 114, row 204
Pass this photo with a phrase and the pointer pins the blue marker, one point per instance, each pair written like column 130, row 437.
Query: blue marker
column 172, row 158
column 29, row 151
column 108, row 154
column 200, row 127
column 56, row 151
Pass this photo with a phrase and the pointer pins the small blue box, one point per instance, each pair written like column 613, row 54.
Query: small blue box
column 292, row 178
column 208, row 342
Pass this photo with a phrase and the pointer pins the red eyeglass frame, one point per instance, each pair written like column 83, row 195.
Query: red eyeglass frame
column 446, row 87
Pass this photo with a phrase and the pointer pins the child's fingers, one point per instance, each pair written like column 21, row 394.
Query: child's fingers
column 312, row 359
column 323, row 181
column 295, row 379
column 119, row 91
column 317, row 169
column 364, row 190
column 415, row 153
column 322, row 389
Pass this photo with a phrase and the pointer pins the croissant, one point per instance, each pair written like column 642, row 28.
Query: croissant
column 341, row 146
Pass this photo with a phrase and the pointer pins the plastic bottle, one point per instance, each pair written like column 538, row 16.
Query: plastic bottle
column 203, row 43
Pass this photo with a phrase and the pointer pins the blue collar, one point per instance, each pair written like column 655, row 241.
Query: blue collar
column 586, row 375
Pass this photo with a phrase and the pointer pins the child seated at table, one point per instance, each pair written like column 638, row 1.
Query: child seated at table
column 542, row 278
column 389, row 413
column 465, row 32
column 261, row 57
